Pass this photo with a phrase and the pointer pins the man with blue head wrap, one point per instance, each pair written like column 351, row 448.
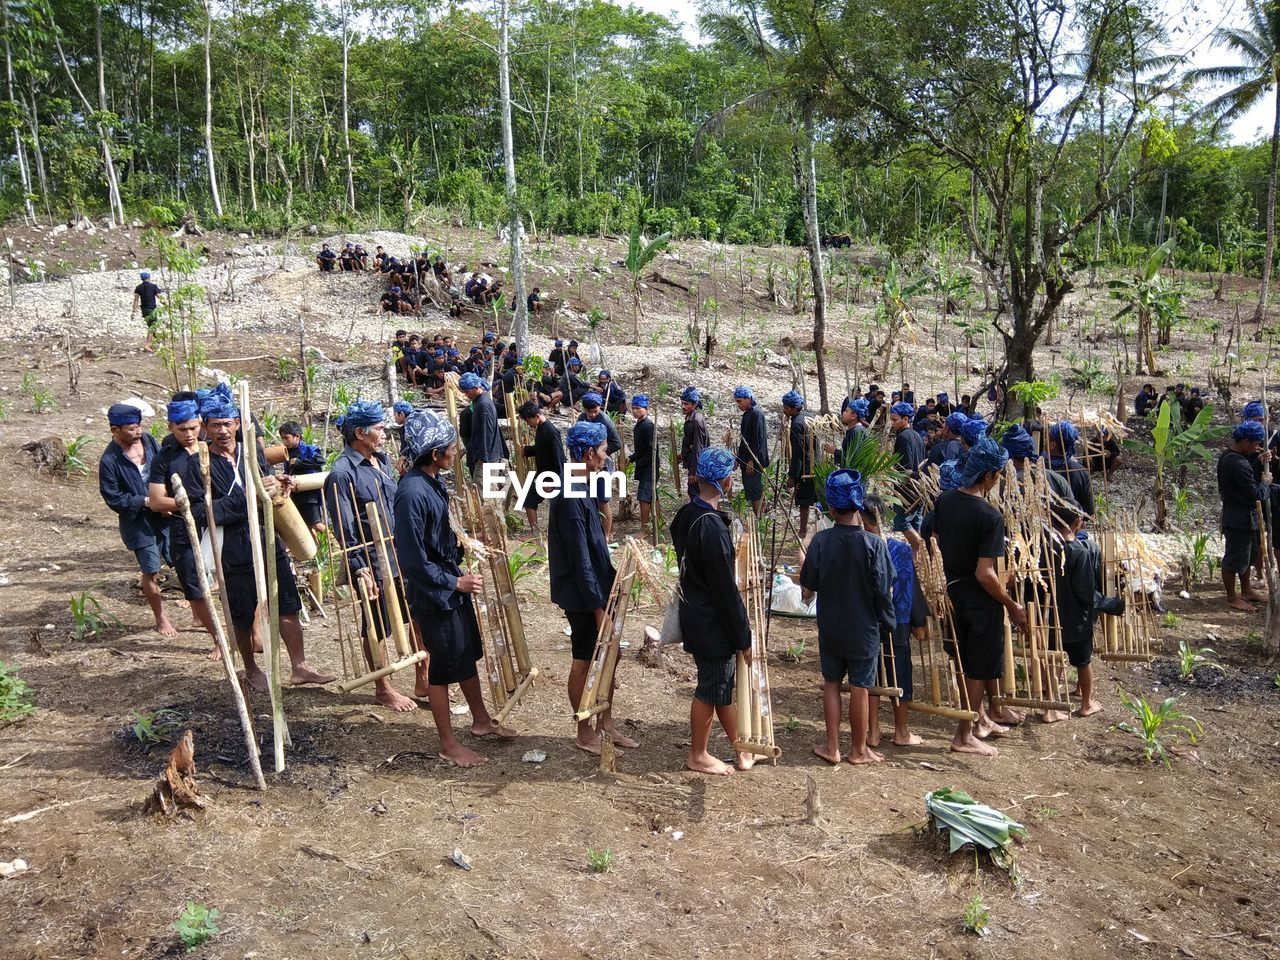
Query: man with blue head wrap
column 401, row 410
column 713, row 619
column 973, row 430
column 361, row 475
column 439, row 594
column 753, row 447
column 146, row 297
column 803, row 443
column 593, row 411
column 484, row 440
column 546, row 452
column 695, row 438
column 949, row 445
column 572, row 386
column 849, row 570
column 1022, row 448
column 948, row 475
column 1063, row 437
column 122, row 481
column 1254, row 410
column 612, row 396
column 908, row 445
column 970, row 534
column 853, row 414
column 1242, row 495
column 642, row 441
column 557, row 359
column 581, row 573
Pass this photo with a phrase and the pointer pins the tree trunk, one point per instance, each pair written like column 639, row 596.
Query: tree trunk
column 1020, row 367
column 21, row 152
column 208, row 108
column 814, row 243
column 346, row 117
column 113, row 187
column 509, row 160
column 1260, row 314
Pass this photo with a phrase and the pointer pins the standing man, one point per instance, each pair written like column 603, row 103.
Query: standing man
column 122, row 481
column 642, row 440
column 439, row 593
column 145, row 296
column 971, row 535
column 484, row 441
column 800, row 469
column 582, row 575
column 1241, row 496
column 753, row 447
column 547, row 452
column 909, row 446
column 592, row 412
column 695, row 438
column 362, row 475
column 1063, row 436
column 948, row 445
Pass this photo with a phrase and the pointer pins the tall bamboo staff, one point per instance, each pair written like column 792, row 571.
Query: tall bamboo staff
column 220, row 637
column 214, row 546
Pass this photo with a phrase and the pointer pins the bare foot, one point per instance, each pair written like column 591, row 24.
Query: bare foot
column 1089, row 709
column 1007, row 716
column 621, row 741
column 826, row 753
column 1238, row 604
column 986, row 727
column 493, row 729
column 1053, row 716
column 214, row 655
column 866, row 756
column 258, row 680
column 461, row 756
column 303, row 673
column 906, row 740
column 708, row 764
column 873, row 736
column 591, row 746
column 1251, row 595
column 165, row 628
column 747, row 760
column 396, row 701
column 973, row 745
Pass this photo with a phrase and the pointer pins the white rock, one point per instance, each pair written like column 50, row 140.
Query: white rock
column 58, row 230
column 534, row 756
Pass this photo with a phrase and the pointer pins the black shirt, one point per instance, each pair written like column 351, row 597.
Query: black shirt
column 484, row 440
column 850, row 571
column 909, row 446
column 713, row 620
column 1239, row 491
column 326, row 259
column 801, row 464
column 547, row 450
column 1077, row 476
column 147, row 293
column 426, row 546
column 968, row 529
column 754, row 445
column 945, row 450
column 578, row 561
column 172, row 459
column 642, row 439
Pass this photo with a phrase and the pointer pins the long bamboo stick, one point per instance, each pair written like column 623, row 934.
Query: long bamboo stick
column 215, row 546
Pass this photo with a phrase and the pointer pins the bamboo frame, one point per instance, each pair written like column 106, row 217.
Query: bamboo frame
column 604, row 659
column 751, row 690
column 943, row 692
column 1125, row 638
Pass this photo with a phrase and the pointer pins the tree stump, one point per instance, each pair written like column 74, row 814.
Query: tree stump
column 177, row 789
column 48, row 453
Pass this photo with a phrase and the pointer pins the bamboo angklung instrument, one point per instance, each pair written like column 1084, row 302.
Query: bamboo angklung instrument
column 220, row 638
column 515, row 426
column 751, row 690
column 629, row 561
column 938, row 656
column 508, row 666
column 1126, row 571
column 267, row 618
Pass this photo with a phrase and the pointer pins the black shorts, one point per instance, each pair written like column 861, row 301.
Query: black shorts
column 1079, row 654
column 184, row 562
column 1241, row 550
column 452, row 637
column 902, row 659
column 150, row 317
column 644, row 486
column 584, row 632
column 753, row 485
column 312, row 512
column 242, row 594
column 715, row 680
column 979, row 626
column 861, row 671
column 805, row 496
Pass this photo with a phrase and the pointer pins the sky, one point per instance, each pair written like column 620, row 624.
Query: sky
column 1190, row 24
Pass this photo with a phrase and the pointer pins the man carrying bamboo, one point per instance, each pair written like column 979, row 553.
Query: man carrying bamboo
column 485, row 443
column 909, row 446
column 753, row 447
column 800, row 469
column 230, row 515
column 362, row 475
column 439, row 594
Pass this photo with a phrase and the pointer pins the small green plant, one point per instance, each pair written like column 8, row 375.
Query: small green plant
column 270, row 427
column 795, row 651
column 600, row 861
column 1191, row 659
column 28, row 383
column 410, row 396
column 196, row 924
column 285, row 368
column 158, row 428
column 75, row 465
column 522, row 561
column 313, row 373
column 792, row 724
column 1253, row 641
column 976, row 916
column 1152, row 725
column 343, row 394
column 1169, row 620
column 88, row 619
column 43, row 401
column 154, row 726
column 15, row 695
column 1276, row 680
column 1047, row 812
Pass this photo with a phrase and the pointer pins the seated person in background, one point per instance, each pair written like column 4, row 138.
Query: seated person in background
column 1145, row 401
column 473, row 289
column 908, row 395
column 401, row 342
column 346, row 257
column 615, row 401
column 557, row 357
column 475, row 362
column 379, row 258
column 453, row 361
column 415, row 359
column 408, row 301
column 441, row 270
column 325, row 258
column 390, row 302
column 928, row 410
column 548, row 390
column 534, row 301
column 572, row 387
column 391, row 265
column 1195, row 403
column 508, row 378
column 944, row 406
column 361, row 258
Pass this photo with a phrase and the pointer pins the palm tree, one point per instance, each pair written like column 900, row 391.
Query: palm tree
column 1257, row 46
column 777, row 47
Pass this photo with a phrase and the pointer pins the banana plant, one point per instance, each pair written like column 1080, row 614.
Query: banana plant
column 1174, row 447
column 1152, row 298
column 640, row 254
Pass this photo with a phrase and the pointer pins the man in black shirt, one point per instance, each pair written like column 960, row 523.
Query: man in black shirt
column 1241, row 496
column 970, row 534
column 909, row 446
column 145, row 297
column 642, row 438
column 753, row 447
column 547, row 452
column 800, row 467
column 326, row 258
column 1145, row 400
column 1063, row 437
column 948, row 446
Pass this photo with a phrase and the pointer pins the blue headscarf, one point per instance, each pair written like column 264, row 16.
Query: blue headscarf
column 559, row 343
column 490, row 336
column 942, row 398
column 180, row 411
column 956, row 422
column 592, row 399
column 1249, row 430
column 691, row 395
column 793, row 400
column 362, row 413
column 844, row 490
column 1254, row 410
column 218, row 404
column 902, row 409
column 1019, row 443
column 948, row 478
column 583, row 436
column 604, row 373
column 123, row 415
column 1066, row 435
column 575, row 362
column 425, row 431
column 640, row 400
column 983, row 457
column 470, row 381
column 146, row 275
column 402, row 406
column 743, row 393
column 714, row 464
column 974, row 429
column 860, row 407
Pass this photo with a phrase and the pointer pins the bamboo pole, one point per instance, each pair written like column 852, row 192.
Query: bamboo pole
column 215, row 545
column 220, row 638
column 389, row 588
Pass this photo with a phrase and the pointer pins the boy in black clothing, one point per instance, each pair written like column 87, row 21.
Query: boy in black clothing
column 304, row 458
column 849, row 570
column 325, row 258
column 1241, row 493
column 145, row 296
column 546, row 450
column 642, row 457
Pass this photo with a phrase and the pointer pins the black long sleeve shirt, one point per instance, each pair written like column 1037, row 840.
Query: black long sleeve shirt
column 754, row 446
column 426, row 547
column 578, row 560
column 713, row 620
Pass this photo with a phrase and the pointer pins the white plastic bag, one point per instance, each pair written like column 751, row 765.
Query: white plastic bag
column 787, row 598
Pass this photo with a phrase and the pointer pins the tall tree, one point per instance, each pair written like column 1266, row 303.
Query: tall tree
column 346, row 110
column 1257, row 46
column 208, row 108
column 521, row 319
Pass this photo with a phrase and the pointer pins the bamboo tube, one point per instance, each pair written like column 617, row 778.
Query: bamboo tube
column 1009, row 683
column 307, row 482
column 523, row 687
column 220, row 638
column 949, row 713
column 1031, row 703
column 292, row 529
column 389, row 587
column 377, row 655
column 275, row 454
column 348, row 685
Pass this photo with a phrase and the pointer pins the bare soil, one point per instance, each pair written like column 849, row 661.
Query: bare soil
column 348, row 853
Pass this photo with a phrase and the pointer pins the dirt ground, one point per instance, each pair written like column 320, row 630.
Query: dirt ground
column 348, row 854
